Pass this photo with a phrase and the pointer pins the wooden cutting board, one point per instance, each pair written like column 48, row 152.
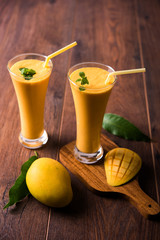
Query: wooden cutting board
column 94, row 177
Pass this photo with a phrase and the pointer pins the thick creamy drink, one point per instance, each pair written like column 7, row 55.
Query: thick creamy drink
column 90, row 103
column 31, row 92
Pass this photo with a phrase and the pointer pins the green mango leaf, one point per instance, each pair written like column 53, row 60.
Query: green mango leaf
column 19, row 190
column 121, row 127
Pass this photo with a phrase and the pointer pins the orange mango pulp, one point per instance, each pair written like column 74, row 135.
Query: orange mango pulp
column 90, row 106
column 31, row 96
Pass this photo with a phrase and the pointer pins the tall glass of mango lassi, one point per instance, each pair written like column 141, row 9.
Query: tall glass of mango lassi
column 90, row 94
column 30, row 79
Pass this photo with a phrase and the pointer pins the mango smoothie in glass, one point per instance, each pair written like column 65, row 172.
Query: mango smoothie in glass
column 90, row 94
column 30, row 79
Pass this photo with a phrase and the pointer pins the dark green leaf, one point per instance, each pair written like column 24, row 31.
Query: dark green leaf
column 78, row 80
column 31, row 72
column 27, row 73
column 84, row 81
column 27, row 164
column 121, row 127
column 81, row 88
column 19, row 190
column 82, row 74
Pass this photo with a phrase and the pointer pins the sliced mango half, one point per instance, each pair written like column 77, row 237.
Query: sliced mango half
column 121, row 165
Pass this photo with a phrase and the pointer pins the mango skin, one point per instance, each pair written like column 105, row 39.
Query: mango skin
column 49, row 182
column 121, row 165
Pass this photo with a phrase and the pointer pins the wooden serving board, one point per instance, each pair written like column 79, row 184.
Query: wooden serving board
column 94, row 177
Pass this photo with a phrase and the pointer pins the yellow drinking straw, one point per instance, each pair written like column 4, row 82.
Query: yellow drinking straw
column 59, row 52
column 122, row 72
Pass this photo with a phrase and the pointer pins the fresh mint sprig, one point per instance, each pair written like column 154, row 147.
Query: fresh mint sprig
column 27, row 73
column 83, row 80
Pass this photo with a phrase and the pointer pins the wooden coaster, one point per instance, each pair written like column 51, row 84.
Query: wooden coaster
column 94, row 177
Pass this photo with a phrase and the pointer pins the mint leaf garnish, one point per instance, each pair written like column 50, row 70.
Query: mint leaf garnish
column 83, row 80
column 82, row 74
column 27, row 73
column 79, row 80
column 19, row 190
column 82, row 88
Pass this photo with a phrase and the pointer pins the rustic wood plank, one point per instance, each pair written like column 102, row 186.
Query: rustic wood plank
column 148, row 16
column 107, row 32
column 40, row 27
column 149, row 34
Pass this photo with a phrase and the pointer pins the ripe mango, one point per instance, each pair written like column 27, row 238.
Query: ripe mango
column 121, row 165
column 49, row 182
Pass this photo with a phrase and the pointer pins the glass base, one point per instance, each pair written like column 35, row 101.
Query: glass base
column 88, row 158
column 34, row 143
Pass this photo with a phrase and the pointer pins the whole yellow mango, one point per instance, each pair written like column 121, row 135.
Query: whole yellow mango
column 49, row 182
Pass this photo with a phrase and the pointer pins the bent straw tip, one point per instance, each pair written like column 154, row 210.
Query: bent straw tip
column 59, row 52
column 122, row 72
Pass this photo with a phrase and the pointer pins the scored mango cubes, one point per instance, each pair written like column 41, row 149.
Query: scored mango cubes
column 121, row 165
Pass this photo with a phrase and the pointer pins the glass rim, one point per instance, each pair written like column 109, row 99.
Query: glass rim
column 96, row 63
column 29, row 54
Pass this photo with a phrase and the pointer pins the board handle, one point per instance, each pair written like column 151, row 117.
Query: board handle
column 146, row 205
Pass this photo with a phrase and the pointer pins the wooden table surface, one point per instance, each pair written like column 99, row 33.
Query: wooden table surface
column 122, row 34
